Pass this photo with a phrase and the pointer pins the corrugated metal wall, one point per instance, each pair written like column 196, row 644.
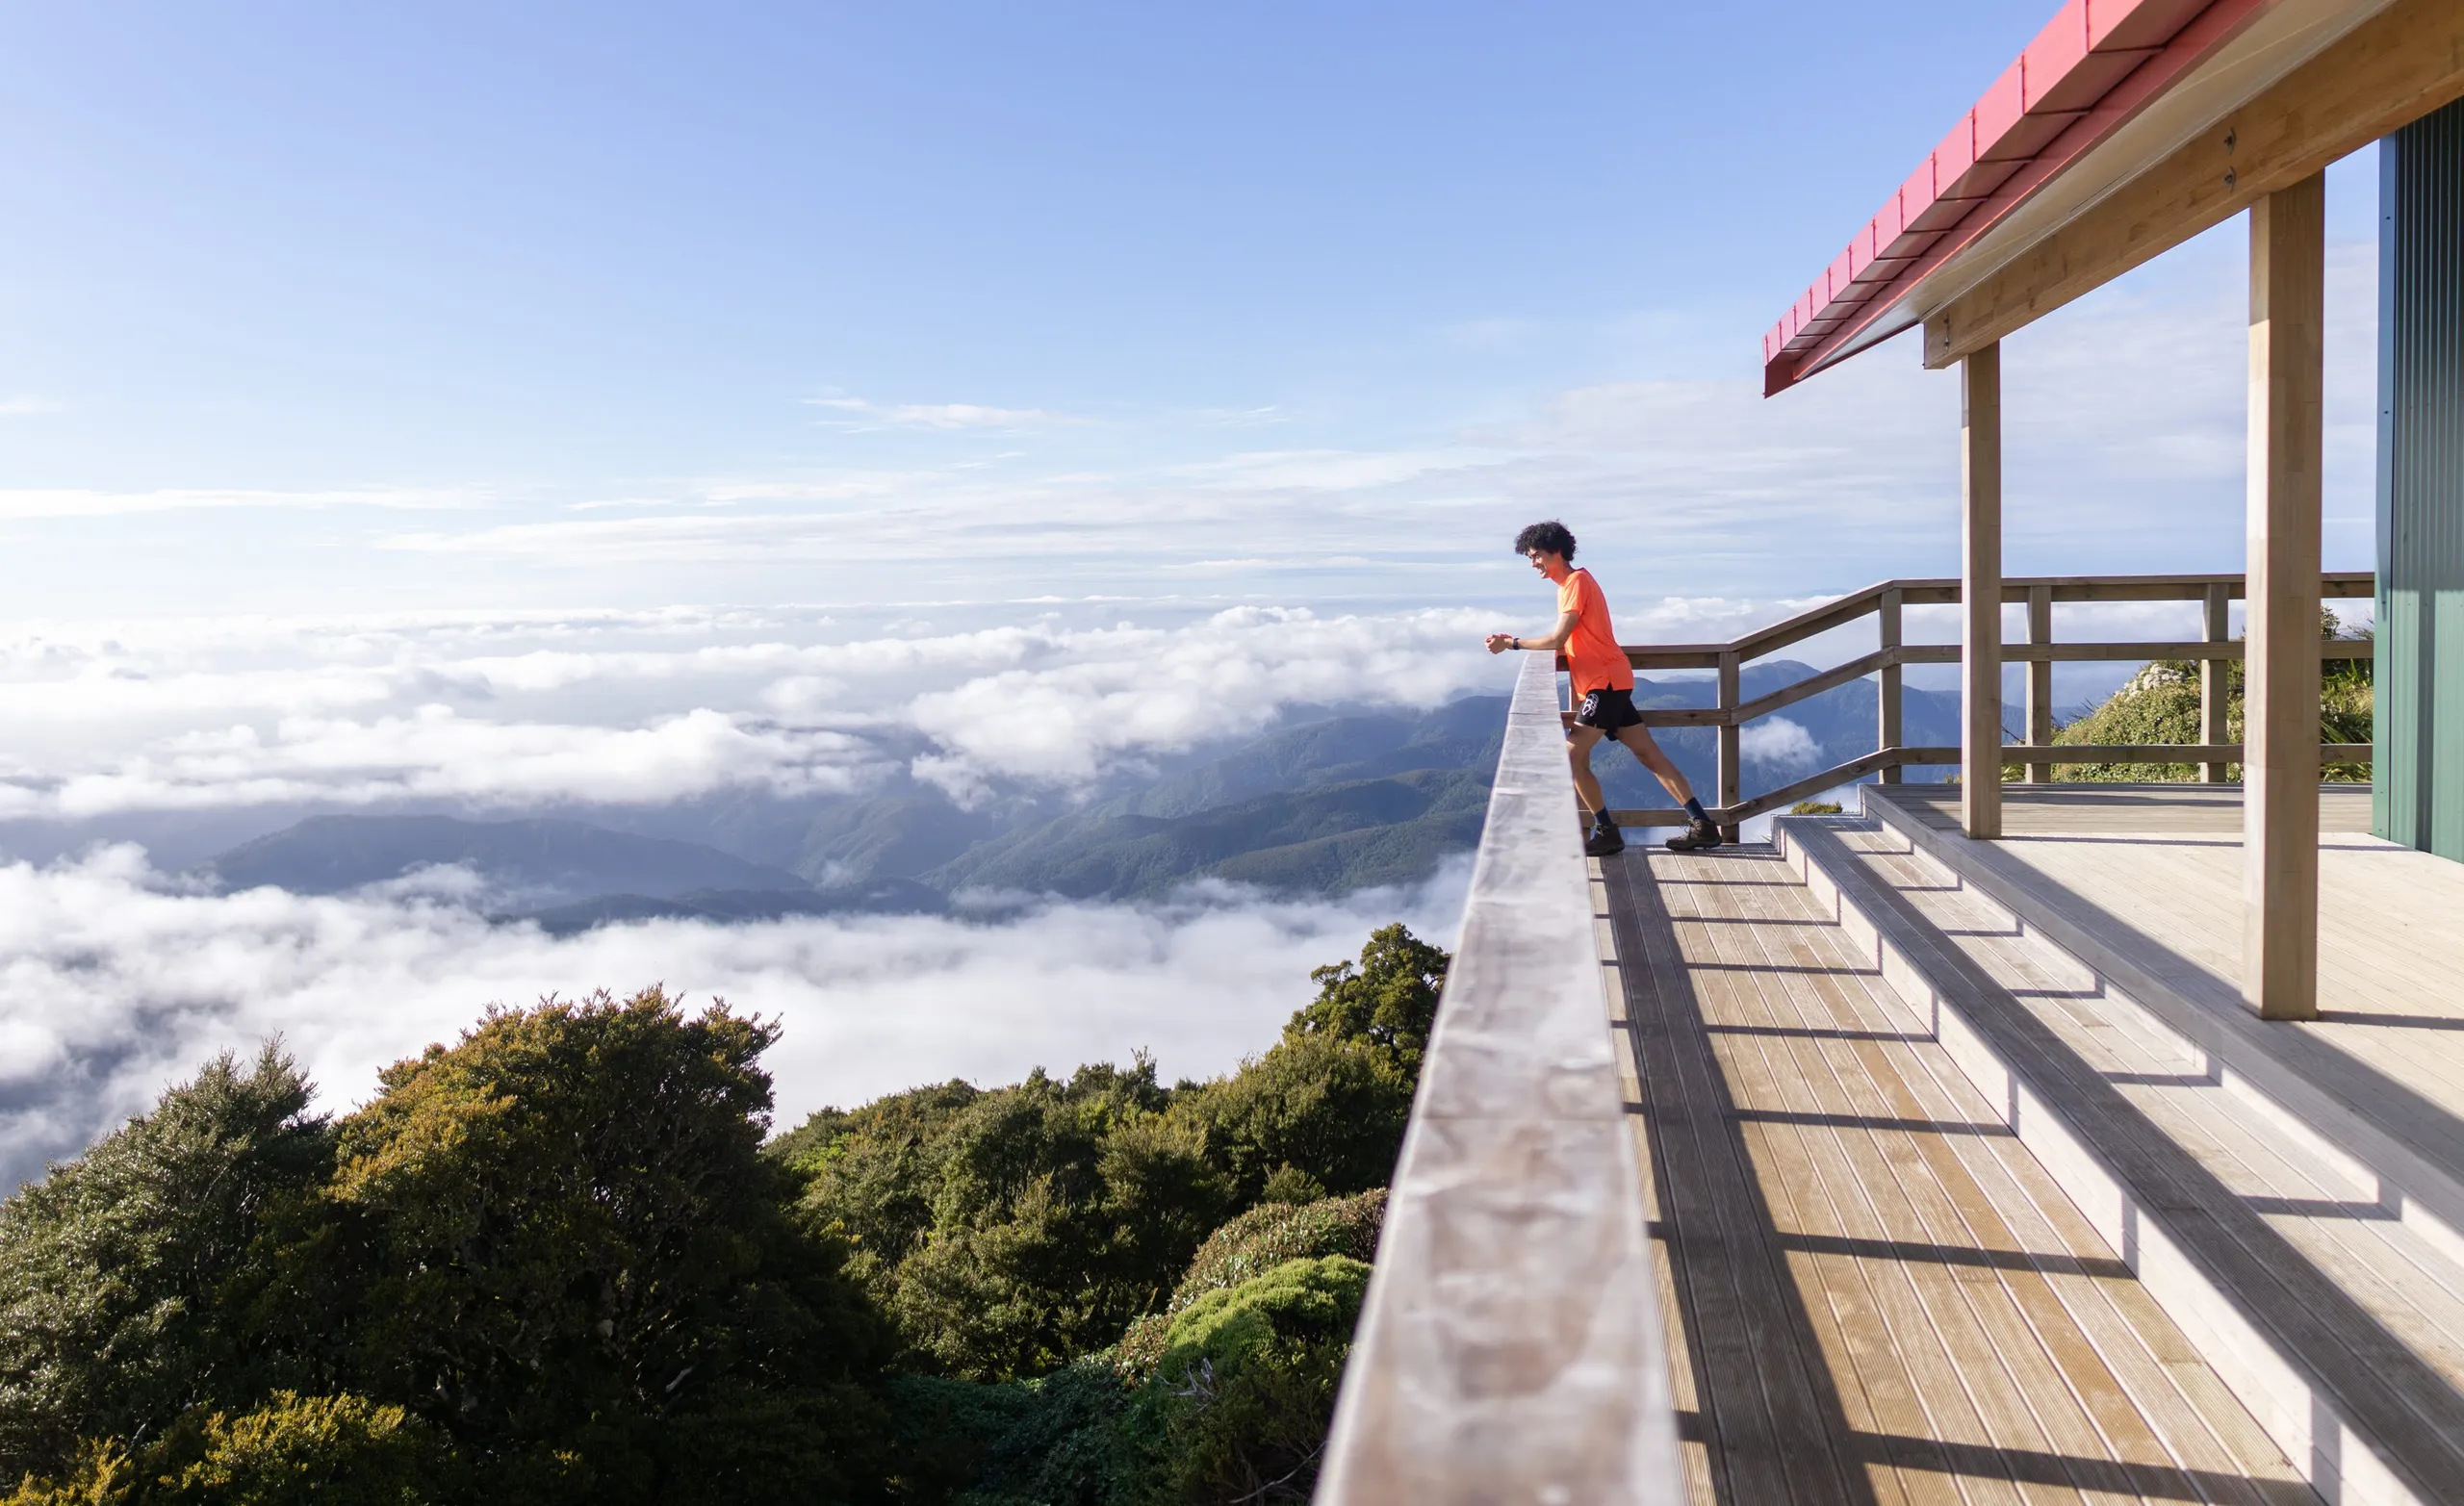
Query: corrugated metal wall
column 2419, row 797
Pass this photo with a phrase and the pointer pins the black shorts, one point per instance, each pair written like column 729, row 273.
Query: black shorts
column 1610, row 711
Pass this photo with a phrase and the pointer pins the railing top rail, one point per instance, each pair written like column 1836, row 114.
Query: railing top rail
column 1509, row 1346
column 1936, row 590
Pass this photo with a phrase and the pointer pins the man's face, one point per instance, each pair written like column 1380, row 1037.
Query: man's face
column 1547, row 564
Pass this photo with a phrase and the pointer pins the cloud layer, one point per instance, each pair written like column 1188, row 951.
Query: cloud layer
column 648, row 708
column 112, row 986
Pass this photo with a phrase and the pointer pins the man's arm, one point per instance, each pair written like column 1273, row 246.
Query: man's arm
column 1498, row 643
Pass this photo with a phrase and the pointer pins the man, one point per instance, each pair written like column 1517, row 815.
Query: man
column 1604, row 691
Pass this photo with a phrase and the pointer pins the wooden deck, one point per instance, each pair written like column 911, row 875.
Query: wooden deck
column 2161, row 873
column 2304, row 1180
column 1872, row 1292
column 2058, row 810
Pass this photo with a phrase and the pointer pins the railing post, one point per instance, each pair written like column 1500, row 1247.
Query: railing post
column 2280, row 664
column 2213, row 727
column 1888, row 702
column 2040, row 705
column 1981, row 594
column 1729, row 772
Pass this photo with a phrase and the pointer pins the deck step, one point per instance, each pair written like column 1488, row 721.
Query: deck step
column 2305, row 1246
column 1873, row 1290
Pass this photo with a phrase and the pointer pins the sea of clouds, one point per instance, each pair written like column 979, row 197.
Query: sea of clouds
column 113, row 982
column 119, row 973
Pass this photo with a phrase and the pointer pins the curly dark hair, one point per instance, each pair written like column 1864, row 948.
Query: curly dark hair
column 1553, row 536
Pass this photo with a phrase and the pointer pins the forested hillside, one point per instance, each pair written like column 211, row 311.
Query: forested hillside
column 2161, row 704
column 557, row 1262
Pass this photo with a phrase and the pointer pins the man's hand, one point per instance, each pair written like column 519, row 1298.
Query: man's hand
column 1498, row 643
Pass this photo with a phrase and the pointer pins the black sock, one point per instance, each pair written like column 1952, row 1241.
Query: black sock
column 1694, row 809
column 1600, row 822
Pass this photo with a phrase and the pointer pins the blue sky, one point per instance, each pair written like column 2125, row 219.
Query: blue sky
column 519, row 408
column 312, row 307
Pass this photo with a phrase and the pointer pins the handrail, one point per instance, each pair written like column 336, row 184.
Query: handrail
column 1945, row 590
column 1510, row 1347
column 2039, row 752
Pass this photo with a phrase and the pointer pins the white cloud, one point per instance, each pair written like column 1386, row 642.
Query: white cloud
column 28, row 502
column 1323, row 470
column 435, row 753
column 26, row 405
column 645, row 708
column 1130, row 693
column 110, row 987
column 1777, row 740
column 937, row 415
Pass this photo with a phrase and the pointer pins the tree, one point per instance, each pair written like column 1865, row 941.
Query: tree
column 574, row 1248
column 115, row 1268
column 1387, row 1002
column 1009, row 1230
column 1013, row 1229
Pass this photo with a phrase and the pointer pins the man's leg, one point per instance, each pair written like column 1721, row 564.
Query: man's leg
column 1638, row 742
column 1604, row 838
column 1579, row 742
column 1699, row 832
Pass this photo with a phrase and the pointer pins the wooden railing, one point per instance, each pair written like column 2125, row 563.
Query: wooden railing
column 2041, row 653
column 1510, row 1347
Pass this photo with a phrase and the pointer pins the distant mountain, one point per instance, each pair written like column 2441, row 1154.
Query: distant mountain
column 1462, row 735
column 883, row 897
column 539, row 862
column 1332, row 803
column 1329, row 839
column 899, row 834
column 1335, row 804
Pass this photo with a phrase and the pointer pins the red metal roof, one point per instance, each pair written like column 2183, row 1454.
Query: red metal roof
column 2096, row 65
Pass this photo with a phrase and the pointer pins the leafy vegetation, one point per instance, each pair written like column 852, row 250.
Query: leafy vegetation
column 2161, row 704
column 555, row 1260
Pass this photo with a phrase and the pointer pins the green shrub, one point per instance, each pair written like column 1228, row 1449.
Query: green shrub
column 1055, row 1441
column 2161, row 704
column 1237, row 1407
column 308, row 1451
column 1257, row 1241
column 294, row 1450
column 1815, row 807
column 1009, row 1230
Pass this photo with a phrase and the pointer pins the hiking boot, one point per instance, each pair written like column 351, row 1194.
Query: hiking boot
column 1696, row 836
column 1605, row 841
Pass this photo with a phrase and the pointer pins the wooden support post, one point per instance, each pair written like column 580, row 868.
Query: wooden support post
column 1729, row 666
column 2280, row 673
column 2213, row 726
column 1981, row 594
column 1888, row 704
column 2039, row 679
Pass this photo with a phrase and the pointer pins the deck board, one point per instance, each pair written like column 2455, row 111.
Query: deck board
column 1876, row 1292
column 2399, row 1283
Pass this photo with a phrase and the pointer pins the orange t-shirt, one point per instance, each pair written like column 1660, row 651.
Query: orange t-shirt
column 1592, row 650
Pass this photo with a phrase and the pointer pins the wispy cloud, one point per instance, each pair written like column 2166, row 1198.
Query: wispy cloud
column 26, row 502
column 864, row 414
column 26, row 405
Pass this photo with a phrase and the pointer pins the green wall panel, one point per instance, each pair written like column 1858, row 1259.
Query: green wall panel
column 2419, row 792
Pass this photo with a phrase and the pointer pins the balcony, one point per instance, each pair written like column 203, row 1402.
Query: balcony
column 1876, row 1161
